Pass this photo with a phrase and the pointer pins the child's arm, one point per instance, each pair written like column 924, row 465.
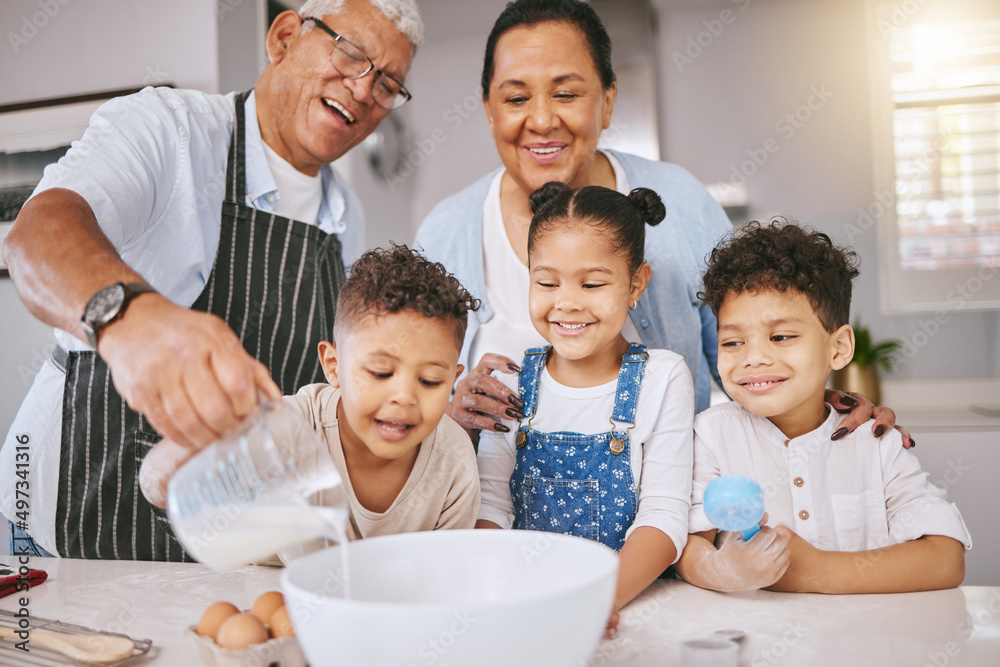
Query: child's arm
column 660, row 527
column 736, row 565
column 496, row 460
column 929, row 563
column 930, row 537
column 733, row 565
column 645, row 555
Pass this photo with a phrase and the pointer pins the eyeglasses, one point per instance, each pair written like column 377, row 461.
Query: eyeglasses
column 352, row 62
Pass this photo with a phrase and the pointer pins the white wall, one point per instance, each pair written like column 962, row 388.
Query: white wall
column 965, row 465
column 767, row 61
column 450, row 143
column 57, row 48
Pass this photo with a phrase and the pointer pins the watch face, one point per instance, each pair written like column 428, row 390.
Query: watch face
column 104, row 305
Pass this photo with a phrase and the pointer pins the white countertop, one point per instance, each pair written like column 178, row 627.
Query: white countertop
column 955, row 627
column 943, row 405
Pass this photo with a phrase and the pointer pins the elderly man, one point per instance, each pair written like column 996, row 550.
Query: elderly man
column 188, row 250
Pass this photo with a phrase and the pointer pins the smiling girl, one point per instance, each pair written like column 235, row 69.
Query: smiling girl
column 603, row 450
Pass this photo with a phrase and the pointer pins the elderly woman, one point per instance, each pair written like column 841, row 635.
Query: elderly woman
column 549, row 91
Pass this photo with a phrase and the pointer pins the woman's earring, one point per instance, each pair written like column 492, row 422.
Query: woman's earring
column 634, row 305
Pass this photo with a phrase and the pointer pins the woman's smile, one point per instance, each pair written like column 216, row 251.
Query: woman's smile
column 547, row 107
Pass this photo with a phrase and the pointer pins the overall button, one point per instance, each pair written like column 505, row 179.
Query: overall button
column 644, row 323
column 803, row 515
column 799, row 481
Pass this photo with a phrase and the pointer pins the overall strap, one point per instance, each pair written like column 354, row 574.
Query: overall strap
column 629, row 382
column 531, row 376
column 236, row 170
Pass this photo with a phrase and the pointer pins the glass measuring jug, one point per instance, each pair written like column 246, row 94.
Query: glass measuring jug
column 246, row 497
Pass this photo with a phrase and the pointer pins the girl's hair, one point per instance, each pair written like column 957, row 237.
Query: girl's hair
column 532, row 12
column 622, row 219
column 403, row 14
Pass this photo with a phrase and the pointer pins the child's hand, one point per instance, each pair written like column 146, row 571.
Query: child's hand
column 739, row 565
column 159, row 465
column 611, row 630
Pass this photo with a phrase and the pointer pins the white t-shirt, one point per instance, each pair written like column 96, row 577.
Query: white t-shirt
column 857, row 493
column 510, row 331
column 659, row 444
column 442, row 491
column 299, row 195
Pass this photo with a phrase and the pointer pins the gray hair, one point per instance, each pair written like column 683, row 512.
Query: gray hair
column 403, row 13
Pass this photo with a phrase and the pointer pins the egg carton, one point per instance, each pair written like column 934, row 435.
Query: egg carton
column 45, row 657
column 276, row 652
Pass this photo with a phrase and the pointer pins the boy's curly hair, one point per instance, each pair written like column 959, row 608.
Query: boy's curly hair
column 779, row 256
column 398, row 278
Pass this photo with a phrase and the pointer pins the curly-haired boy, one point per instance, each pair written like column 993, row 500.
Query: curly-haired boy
column 853, row 516
column 391, row 365
column 406, row 466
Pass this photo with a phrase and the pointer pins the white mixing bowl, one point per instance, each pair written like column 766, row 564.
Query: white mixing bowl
column 454, row 598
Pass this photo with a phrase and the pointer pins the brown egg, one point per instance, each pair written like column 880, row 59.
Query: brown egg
column 240, row 631
column 281, row 625
column 266, row 604
column 213, row 618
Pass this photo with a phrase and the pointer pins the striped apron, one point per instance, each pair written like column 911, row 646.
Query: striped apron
column 275, row 282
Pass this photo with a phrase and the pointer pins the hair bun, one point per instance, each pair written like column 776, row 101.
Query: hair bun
column 650, row 205
column 547, row 193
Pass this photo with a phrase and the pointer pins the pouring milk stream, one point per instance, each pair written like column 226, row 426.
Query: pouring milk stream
column 246, row 497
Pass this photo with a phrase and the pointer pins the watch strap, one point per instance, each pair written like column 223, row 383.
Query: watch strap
column 129, row 292
column 133, row 290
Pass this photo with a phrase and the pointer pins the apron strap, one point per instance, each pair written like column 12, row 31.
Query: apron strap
column 60, row 357
column 236, row 176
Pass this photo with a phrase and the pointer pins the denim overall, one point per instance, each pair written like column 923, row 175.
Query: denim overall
column 571, row 483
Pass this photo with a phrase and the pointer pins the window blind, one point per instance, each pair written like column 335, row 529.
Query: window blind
column 945, row 82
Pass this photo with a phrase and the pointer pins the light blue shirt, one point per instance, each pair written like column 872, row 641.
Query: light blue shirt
column 669, row 314
column 152, row 167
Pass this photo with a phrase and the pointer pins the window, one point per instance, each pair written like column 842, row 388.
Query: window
column 937, row 96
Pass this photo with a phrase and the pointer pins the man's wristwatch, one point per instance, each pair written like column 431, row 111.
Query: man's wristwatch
column 108, row 305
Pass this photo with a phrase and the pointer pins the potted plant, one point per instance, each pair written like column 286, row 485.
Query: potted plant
column 861, row 375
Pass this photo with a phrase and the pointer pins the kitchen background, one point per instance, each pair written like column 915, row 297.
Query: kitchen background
column 783, row 98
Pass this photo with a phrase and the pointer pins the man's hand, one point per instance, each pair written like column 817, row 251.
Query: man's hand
column 159, row 465
column 185, row 370
column 481, row 402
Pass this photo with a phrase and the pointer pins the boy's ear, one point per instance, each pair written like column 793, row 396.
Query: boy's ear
column 640, row 281
column 459, row 372
column 842, row 342
column 328, row 359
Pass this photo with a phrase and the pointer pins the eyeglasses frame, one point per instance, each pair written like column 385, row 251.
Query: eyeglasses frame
column 406, row 96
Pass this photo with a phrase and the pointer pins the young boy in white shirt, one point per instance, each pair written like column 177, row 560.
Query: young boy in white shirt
column 855, row 515
column 406, row 466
